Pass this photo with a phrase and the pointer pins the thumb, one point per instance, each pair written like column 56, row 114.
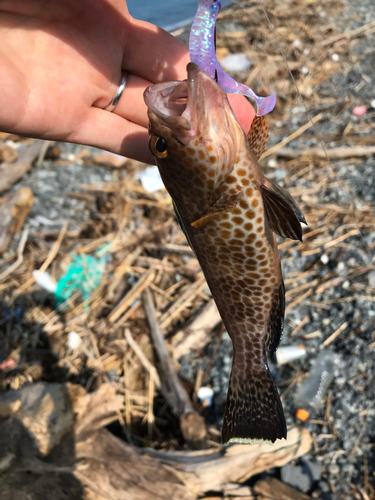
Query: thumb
column 243, row 110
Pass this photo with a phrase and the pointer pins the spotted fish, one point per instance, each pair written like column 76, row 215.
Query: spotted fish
column 229, row 212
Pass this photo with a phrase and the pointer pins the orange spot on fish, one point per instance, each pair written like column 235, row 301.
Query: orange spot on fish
column 241, row 171
column 254, row 202
column 238, row 220
column 249, row 192
column 248, row 226
column 191, row 151
column 209, row 147
column 250, row 214
column 201, row 155
column 213, row 159
column 245, row 182
column 231, row 179
column 259, row 220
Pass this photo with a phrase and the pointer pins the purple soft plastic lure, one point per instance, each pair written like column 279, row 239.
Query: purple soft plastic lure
column 203, row 53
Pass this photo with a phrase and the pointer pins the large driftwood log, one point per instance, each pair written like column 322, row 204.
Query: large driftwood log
column 52, row 440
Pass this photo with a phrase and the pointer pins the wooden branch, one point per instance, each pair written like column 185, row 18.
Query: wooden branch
column 332, row 154
column 192, row 424
column 197, row 333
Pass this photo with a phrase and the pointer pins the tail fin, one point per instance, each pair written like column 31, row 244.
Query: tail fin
column 253, row 411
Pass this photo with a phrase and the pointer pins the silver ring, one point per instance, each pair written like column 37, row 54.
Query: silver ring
column 120, row 90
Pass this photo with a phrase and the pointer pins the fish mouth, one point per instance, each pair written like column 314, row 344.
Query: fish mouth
column 192, row 107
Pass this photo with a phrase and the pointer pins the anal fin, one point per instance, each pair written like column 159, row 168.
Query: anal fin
column 275, row 327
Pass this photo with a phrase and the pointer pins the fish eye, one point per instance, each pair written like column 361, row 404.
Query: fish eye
column 158, row 146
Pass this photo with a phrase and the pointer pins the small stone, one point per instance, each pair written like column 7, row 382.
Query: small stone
column 326, row 321
column 341, row 267
column 346, row 284
column 236, row 62
column 372, row 104
column 334, row 469
column 272, row 163
column 304, row 70
column 335, row 57
column 324, row 259
column 360, row 111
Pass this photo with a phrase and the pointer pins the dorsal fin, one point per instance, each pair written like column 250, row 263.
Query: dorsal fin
column 258, row 135
column 282, row 213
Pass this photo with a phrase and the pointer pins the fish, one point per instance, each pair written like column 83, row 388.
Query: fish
column 229, row 212
column 202, row 48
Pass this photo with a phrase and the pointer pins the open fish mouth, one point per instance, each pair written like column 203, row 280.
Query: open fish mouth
column 189, row 107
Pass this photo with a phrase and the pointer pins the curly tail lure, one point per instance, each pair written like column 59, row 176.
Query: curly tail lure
column 202, row 47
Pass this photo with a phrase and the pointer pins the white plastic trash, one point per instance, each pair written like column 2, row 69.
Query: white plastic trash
column 45, row 281
column 150, row 179
column 290, row 353
column 205, row 395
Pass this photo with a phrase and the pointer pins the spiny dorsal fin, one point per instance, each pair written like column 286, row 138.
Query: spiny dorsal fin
column 282, row 213
column 258, row 135
column 275, row 325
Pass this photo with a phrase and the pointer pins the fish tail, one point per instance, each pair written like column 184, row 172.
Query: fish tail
column 253, row 410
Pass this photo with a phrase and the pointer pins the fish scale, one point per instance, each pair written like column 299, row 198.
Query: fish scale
column 225, row 206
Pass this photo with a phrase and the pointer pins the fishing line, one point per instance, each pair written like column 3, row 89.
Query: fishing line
column 344, row 194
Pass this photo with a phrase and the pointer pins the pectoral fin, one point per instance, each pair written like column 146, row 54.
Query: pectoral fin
column 223, row 204
column 258, row 135
column 282, row 213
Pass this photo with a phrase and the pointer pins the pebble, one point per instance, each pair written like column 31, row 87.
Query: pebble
column 334, row 469
column 324, row 259
column 335, row 57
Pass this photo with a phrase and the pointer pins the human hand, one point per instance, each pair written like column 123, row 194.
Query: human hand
column 60, row 66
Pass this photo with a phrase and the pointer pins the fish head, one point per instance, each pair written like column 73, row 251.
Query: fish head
column 194, row 135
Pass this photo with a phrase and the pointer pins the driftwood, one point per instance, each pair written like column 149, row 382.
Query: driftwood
column 52, row 440
column 271, row 488
column 11, row 172
column 332, row 154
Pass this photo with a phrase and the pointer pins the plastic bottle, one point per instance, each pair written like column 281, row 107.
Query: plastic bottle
column 313, row 390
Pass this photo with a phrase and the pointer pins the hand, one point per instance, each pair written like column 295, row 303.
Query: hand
column 60, row 65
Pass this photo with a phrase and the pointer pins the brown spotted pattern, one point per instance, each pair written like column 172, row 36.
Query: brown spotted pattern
column 239, row 257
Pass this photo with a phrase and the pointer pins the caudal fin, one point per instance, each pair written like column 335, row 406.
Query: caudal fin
column 253, row 411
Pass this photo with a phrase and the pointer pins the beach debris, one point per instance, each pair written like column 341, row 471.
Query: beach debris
column 46, row 281
column 83, row 275
column 205, row 396
column 13, row 211
column 11, row 172
column 360, row 110
column 150, row 179
column 287, row 354
column 236, row 62
column 310, row 395
column 74, row 341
